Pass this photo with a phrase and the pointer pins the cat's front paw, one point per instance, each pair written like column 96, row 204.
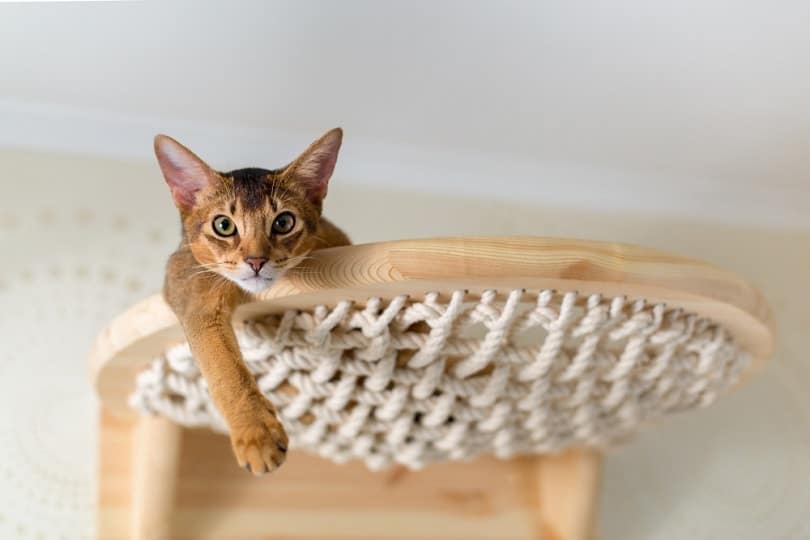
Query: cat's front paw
column 259, row 441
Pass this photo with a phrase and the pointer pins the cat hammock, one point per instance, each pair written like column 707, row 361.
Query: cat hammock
column 416, row 352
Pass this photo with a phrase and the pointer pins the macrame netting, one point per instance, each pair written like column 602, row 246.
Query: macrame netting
column 448, row 377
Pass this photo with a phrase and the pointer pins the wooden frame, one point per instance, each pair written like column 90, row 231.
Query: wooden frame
column 532, row 498
column 562, row 486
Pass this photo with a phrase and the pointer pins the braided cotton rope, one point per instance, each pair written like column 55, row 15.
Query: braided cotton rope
column 414, row 382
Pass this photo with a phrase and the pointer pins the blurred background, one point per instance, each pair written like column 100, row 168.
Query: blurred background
column 683, row 126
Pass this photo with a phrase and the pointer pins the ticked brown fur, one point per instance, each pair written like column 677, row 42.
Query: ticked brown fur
column 211, row 274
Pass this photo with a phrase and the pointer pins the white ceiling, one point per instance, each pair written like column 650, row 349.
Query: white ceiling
column 696, row 108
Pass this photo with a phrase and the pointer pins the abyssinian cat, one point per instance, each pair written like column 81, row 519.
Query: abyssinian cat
column 241, row 231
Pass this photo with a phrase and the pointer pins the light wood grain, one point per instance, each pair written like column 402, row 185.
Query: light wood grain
column 155, row 459
column 566, row 486
column 313, row 499
column 415, row 267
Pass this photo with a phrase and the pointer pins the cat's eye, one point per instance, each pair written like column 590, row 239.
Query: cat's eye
column 224, row 226
column 283, row 223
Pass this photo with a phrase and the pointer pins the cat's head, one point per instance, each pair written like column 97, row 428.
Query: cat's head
column 249, row 225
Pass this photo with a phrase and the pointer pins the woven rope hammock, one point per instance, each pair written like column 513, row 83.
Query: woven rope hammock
column 413, row 381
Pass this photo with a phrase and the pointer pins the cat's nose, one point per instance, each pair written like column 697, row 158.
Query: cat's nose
column 256, row 262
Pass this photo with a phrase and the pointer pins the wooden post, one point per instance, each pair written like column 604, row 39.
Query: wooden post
column 155, row 460
column 565, row 489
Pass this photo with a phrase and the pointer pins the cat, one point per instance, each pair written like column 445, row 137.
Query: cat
column 241, row 231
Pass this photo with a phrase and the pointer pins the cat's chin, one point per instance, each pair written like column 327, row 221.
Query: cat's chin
column 254, row 284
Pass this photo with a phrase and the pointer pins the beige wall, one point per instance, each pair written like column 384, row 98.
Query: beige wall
column 701, row 474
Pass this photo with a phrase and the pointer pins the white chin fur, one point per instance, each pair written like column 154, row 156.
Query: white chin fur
column 252, row 283
column 255, row 284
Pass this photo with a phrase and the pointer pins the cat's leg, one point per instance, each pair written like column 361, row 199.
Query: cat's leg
column 258, row 439
column 155, row 460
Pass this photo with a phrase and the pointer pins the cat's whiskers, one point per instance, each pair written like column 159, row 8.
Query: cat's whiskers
column 307, row 271
column 295, row 262
column 206, row 271
column 296, row 259
column 321, row 239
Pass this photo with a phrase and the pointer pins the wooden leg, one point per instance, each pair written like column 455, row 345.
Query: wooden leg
column 548, row 497
column 155, row 460
column 566, row 487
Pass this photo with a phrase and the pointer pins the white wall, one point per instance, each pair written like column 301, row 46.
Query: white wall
column 692, row 108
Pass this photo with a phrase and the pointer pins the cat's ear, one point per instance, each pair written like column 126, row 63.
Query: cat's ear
column 313, row 168
column 185, row 173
